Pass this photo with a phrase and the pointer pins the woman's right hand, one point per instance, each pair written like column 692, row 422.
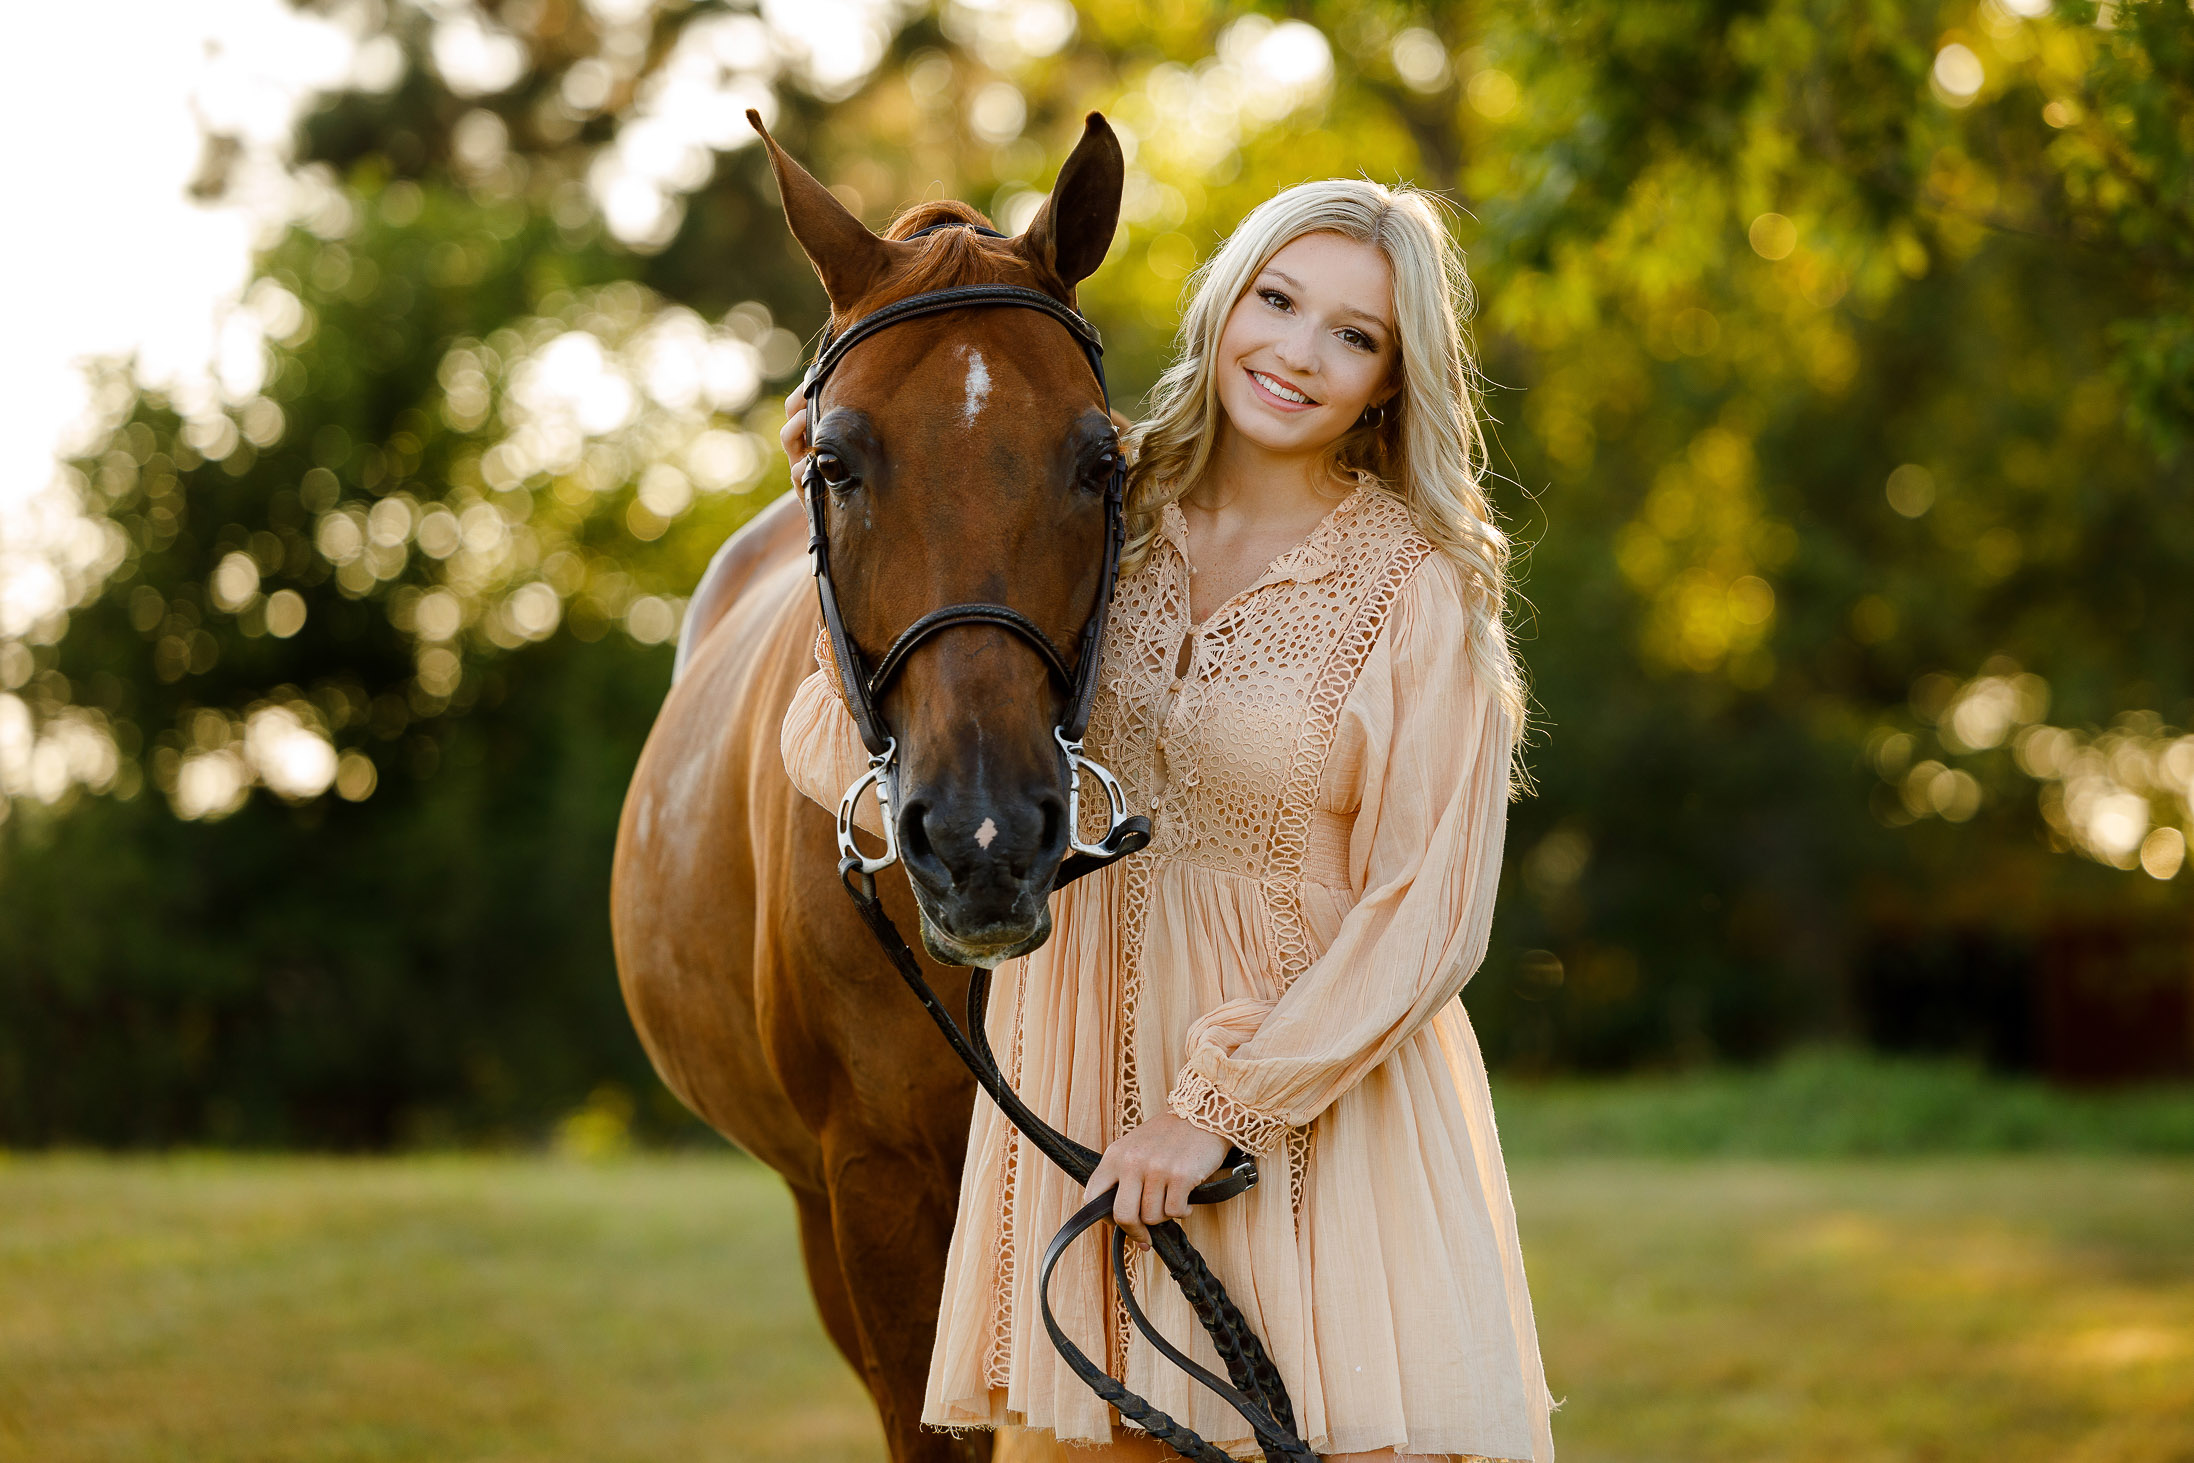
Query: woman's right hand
column 794, row 434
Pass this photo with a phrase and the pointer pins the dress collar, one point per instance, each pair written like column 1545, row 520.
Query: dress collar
column 1323, row 551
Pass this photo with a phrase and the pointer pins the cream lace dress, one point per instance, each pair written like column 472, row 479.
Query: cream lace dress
column 1328, row 787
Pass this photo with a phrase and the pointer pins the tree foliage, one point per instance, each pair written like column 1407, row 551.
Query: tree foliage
column 1842, row 358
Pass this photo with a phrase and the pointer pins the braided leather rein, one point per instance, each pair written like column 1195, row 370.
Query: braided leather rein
column 1253, row 1385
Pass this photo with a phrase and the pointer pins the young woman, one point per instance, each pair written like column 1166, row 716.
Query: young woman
column 1308, row 686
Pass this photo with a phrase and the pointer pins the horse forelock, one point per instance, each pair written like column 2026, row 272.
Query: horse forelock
column 918, row 216
column 950, row 257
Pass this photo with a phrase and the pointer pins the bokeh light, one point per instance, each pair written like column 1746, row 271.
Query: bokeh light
column 1957, row 75
column 402, row 438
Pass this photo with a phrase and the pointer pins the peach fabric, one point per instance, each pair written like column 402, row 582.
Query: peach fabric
column 1328, row 786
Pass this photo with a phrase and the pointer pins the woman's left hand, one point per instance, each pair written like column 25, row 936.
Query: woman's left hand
column 1156, row 1166
column 794, row 433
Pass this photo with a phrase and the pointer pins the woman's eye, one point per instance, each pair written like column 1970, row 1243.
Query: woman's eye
column 1275, row 299
column 1358, row 339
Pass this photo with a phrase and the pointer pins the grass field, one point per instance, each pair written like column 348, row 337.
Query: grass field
column 511, row 1308
column 418, row 1309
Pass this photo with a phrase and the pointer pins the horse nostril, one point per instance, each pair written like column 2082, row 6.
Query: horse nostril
column 914, row 844
column 1005, row 845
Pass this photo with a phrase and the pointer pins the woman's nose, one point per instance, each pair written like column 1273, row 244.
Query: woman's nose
column 1296, row 350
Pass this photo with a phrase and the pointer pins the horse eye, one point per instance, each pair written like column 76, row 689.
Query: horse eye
column 833, row 469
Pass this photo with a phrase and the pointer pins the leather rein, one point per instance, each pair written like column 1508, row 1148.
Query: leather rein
column 1253, row 1386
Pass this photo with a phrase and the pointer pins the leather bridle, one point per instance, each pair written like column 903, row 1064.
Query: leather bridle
column 1253, row 1386
column 864, row 690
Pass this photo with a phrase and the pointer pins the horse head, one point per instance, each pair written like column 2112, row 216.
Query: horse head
column 966, row 456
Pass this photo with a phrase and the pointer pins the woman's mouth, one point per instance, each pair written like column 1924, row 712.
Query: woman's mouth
column 1279, row 393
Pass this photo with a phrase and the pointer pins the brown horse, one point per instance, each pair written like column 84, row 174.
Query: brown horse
column 966, row 455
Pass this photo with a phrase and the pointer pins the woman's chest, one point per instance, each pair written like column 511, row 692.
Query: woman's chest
column 1226, row 558
column 1221, row 730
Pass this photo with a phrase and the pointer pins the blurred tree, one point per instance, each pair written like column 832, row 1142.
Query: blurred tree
column 1842, row 357
column 416, row 591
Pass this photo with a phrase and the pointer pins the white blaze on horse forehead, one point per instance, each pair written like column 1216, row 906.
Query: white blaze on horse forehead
column 986, row 833
column 978, row 386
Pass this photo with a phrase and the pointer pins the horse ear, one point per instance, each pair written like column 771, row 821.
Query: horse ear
column 847, row 257
column 1073, row 230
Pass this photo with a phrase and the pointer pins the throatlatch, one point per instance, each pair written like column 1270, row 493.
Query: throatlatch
column 1253, row 1386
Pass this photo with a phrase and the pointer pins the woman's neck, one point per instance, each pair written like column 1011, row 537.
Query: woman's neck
column 1245, row 479
column 1250, row 507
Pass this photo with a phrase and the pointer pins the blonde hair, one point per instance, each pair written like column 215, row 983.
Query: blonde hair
column 1429, row 450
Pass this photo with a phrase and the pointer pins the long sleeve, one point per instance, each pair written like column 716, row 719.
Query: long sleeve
column 1424, row 856
column 822, row 748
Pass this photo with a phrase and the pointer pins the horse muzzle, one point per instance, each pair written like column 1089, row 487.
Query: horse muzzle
column 990, row 949
column 982, row 870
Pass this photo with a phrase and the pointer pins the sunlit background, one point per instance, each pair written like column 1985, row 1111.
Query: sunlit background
column 380, row 374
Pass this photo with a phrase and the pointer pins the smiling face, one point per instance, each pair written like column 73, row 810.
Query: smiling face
column 1309, row 345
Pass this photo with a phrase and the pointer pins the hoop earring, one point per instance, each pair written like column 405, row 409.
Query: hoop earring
column 1374, row 417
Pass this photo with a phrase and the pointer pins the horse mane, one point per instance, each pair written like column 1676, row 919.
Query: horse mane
column 958, row 256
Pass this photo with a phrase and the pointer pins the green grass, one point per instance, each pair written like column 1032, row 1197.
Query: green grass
column 2032, row 1309
column 1835, row 1103
column 1969, row 1310
column 411, row 1309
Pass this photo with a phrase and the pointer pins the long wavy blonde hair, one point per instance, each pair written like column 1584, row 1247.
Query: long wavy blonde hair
column 1429, row 451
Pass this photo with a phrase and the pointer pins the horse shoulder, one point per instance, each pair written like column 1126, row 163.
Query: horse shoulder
column 694, row 943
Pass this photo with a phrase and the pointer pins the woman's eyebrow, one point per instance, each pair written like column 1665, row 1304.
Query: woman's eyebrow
column 1365, row 315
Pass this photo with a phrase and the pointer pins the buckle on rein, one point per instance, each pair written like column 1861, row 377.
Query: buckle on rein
column 852, row 863
column 1116, row 815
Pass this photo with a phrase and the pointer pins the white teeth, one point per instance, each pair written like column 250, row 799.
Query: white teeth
column 1281, row 389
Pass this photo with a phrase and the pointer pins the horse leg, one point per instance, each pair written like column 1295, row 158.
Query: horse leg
column 892, row 1223
column 827, row 1281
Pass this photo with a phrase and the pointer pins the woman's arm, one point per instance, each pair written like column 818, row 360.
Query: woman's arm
column 1425, row 851
column 1427, row 840
column 822, row 748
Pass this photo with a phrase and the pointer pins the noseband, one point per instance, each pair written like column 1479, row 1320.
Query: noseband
column 1253, row 1386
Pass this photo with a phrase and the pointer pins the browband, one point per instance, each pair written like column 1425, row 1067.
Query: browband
column 936, row 302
